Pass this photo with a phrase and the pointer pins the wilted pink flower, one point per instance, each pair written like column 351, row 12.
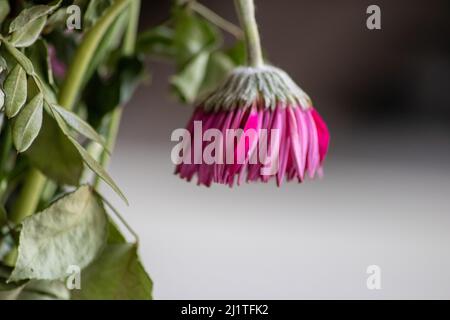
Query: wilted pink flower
column 263, row 100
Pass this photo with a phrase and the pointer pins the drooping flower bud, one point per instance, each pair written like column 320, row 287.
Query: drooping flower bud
column 258, row 125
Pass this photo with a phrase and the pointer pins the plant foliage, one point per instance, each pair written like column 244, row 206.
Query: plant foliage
column 50, row 116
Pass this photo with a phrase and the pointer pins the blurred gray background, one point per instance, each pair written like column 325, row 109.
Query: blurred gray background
column 385, row 197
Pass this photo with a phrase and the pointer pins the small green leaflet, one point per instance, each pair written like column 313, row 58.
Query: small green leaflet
column 27, row 35
column 15, row 90
column 87, row 158
column 72, row 231
column 27, row 124
column 38, row 55
column 31, row 14
column 66, row 165
column 189, row 80
column 79, row 125
column 20, row 58
column 98, row 169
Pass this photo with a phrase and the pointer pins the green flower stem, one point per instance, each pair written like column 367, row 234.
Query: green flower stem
column 111, row 137
column 28, row 199
column 74, row 79
column 129, row 45
column 246, row 12
column 128, row 49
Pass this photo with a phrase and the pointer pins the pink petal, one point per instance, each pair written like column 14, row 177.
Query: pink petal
column 323, row 133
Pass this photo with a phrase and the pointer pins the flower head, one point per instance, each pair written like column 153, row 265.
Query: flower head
column 258, row 125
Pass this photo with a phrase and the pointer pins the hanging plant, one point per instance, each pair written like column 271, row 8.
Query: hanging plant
column 62, row 93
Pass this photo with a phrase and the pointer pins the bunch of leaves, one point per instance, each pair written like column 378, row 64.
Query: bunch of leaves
column 73, row 228
column 40, row 135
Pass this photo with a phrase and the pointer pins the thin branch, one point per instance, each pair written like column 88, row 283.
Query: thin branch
column 214, row 18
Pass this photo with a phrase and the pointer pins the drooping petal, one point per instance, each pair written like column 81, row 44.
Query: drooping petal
column 251, row 147
column 249, row 125
column 272, row 162
column 313, row 150
column 284, row 148
column 304, row 140
column 323, row 133
column 296, row 146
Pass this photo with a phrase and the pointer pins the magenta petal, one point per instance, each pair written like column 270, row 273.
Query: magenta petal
column 313, row 150
column 304, row 138
column 323, row 133
column 295, row 143
column 284, row 148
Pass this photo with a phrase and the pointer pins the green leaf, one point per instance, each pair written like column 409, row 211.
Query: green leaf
column 158, row 41
column 104, row 95
column 31, row 14
column 72, row 231
column 38, row 55
column 192, row 36
column 27, row 124
column 20, row 58
column 4, row 10
column 238, row 53
column 219, row 66
column 116, row 275
column 44, row 290
column 26, row 36
column 57, row 20
column 15, row 90
column 66, row 165
column 114, row 234
column 79, row 125
column 188, row 82
column 87, row 158
column 98, row 169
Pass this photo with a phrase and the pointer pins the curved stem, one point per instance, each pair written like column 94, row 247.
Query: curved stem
column 84, row 54
column 246, row 12
column 213, row 17
column 28, row 199
column 129, row 44
column 111, row 137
